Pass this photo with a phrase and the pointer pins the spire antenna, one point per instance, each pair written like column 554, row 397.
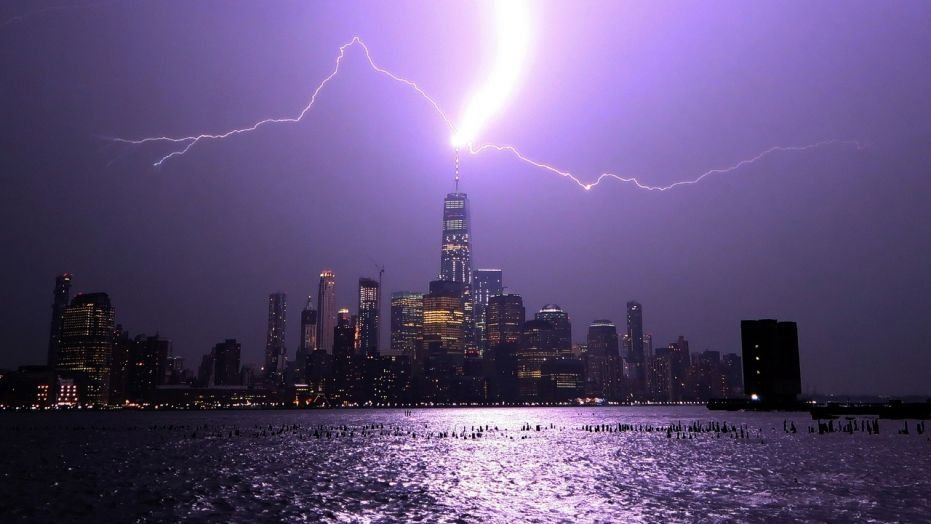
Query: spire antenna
column 457, row 170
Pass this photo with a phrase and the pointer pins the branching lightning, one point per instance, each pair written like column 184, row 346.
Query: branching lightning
column 190, row 141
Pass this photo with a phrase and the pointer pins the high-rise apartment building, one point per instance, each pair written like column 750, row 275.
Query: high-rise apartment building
column 86, row 347
column 326, row 310
column 275, row 349
column 368, row 316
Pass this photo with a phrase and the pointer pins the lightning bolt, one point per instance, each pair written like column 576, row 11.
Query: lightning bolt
column 191, row 141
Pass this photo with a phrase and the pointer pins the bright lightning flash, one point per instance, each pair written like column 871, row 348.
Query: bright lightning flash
column 513, row 36
column 512, row 23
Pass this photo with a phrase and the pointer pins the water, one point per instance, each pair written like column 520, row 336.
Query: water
column 130, row 466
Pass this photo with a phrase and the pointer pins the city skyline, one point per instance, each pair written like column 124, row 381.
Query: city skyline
column 832, row 238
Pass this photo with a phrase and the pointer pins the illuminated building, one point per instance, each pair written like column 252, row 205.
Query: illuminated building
column 456, row 256
column 62, row 295
column 444, row 316
column 86, row 347
column 275, row 352
column 368, row 316
column 486, row 283
column 562, row 327
column 326, row 310
column 308, row 342
column 456, row 260
column 67, row 393
column 406, row 323
column 770, row 360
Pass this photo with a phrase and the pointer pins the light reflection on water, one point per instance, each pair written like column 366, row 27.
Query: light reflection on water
column 147, row 467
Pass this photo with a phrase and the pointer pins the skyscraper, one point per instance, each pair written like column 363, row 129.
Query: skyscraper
column 770, row 360
column 444, row 317
column 602, row 360
column 368, row 316
column 275, row 352
column 635, row 331
column 538, row 344
column 148, row 359
column 343, row 335
column 679, row 361
column 226, row 360
column 326, row 310
column 634, row 343
column 602, row 338
column 562, row 327
column 86, row 347
column 406, row 323
column 308, row 342
column 486, row 283
column 62, row 295
column 456, row 257
column 504, row 319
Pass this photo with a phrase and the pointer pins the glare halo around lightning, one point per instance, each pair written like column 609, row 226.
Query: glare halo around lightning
column 513, row 39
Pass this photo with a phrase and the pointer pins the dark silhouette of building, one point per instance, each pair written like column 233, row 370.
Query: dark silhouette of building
column 659, row 376
column 635, row 356
column 538, row 344
column 770, row 360
column 86, row 346
column 275, row 348
column 346, row 383
column 308, row 342
column 326, row 310
column 147, row 366
column 368, row 316
column 120, row 364
column 679, row 363
column 226, row 363
column 505, row 317
column 343, row 334
column 603, row 371
column 731, row 385
column 704, row 375
column 486, row 283
column 562, row 327
column 61, row 298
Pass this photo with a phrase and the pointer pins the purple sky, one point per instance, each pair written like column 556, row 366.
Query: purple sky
column 836, row 239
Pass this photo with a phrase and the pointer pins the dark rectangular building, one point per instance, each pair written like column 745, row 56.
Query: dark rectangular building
column 770, row 360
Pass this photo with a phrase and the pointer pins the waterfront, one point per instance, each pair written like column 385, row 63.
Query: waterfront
column 428, row 465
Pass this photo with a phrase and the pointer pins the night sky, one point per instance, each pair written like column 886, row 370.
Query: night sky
column 836, row 238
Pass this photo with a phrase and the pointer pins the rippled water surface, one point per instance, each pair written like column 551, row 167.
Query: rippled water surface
column 444, row 465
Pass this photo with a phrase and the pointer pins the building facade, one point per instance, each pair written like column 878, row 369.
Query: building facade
column 326, row 310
